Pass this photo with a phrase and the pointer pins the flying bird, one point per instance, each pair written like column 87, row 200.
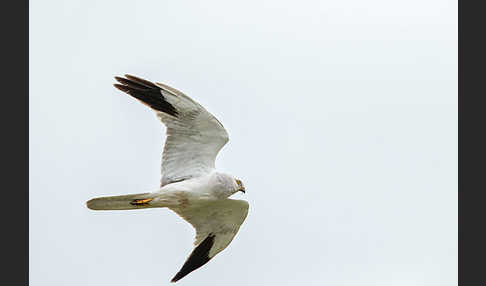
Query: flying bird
column 190, row 185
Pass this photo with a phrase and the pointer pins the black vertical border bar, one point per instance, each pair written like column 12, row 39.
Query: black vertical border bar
column 472, row 143
column 14, row 119
column 459, row 145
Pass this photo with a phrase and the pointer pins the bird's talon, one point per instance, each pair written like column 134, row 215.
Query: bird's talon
column 141, row 202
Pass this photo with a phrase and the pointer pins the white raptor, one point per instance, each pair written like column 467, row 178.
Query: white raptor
column 190, row 184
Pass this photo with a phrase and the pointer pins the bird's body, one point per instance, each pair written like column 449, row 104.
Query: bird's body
column 207, row 188
column 190, row 184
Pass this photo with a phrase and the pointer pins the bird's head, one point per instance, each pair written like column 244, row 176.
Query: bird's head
column 226, row 185
column 240, row 186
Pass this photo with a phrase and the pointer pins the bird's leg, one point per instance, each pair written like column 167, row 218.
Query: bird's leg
column 141, row 202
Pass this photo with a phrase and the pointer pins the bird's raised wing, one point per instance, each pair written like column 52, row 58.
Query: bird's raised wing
column 194, row 136
column 216, row 225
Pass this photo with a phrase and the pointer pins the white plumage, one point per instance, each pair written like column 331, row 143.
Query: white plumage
column 194, row 138
column 190, row 184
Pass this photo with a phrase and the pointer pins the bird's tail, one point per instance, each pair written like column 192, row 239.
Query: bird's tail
column 126, row 202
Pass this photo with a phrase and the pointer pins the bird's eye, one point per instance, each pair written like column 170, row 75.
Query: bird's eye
column 238, row 182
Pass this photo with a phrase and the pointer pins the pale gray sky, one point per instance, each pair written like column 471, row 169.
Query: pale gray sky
column 342, row 118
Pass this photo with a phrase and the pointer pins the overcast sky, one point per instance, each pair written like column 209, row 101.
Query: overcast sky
column 342, row 118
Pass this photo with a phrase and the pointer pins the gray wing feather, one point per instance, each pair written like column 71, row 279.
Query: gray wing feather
column 193, row 137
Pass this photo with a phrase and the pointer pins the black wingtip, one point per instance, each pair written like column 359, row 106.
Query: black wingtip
column 119, row 79
column 145, row 91
column 198, row 257
column 121, row 87
column 141, row 81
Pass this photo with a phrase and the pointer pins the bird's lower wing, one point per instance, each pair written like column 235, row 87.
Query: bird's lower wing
column 216, row 225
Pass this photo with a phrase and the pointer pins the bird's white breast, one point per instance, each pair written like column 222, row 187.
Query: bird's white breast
column 210, row 186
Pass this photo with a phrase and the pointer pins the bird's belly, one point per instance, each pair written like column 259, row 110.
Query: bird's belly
column 193, row 189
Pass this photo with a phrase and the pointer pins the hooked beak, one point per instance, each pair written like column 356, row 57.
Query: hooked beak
column 241, row 186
